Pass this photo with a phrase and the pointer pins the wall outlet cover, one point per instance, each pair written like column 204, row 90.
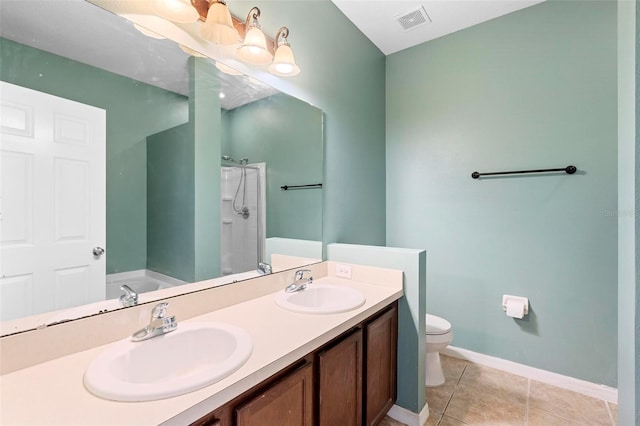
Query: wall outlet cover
column 343, row 271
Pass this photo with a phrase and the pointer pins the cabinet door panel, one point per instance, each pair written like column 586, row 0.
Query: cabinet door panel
column 340, row 383
column 381, row 337
column 288, row 402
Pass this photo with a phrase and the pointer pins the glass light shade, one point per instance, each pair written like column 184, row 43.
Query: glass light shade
column 218, row 28
column 283, row 63
column 180, row 11
column 254, row 48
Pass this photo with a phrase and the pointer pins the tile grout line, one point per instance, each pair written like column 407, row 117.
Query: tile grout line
column 606, row 404
column 452, row 393
column 526, row 405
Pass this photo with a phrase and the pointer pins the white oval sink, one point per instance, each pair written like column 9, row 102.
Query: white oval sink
column 321, row 299
column 189, row 358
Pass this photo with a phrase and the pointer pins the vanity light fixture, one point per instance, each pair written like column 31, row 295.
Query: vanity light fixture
column 283, row 64
column 218, row 27
column 180, row 11
column 254, row 47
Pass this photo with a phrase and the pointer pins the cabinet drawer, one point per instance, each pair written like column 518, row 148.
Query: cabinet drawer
column 288, row 402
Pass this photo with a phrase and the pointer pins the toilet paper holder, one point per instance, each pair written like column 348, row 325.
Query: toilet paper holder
column 508, row 298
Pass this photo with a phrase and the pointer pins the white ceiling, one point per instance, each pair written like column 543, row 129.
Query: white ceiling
column 81, row 31
column 377, row 19
column 84, row 32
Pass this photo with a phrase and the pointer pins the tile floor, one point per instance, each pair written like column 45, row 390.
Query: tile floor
column 477, row 395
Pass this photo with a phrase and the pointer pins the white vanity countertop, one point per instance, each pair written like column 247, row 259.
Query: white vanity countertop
column 53, row 393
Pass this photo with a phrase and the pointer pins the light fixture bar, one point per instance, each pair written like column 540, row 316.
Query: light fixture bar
column 202, row 6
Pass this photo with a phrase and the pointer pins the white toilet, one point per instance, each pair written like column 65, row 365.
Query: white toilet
column 439, row 335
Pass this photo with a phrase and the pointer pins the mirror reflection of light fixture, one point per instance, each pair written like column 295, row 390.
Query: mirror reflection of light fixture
column 254, row 47
column 218, row 27
column 283, row 64
column 180, row 11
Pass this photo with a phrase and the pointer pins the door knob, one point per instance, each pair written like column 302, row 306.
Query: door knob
column 98, row 251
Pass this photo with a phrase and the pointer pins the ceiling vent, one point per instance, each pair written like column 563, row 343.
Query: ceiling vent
column 413, row 19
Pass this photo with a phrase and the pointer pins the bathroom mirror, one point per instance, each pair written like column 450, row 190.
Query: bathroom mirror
column 181, row 163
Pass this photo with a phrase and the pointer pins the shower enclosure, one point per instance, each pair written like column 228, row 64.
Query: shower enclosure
column 243, row 215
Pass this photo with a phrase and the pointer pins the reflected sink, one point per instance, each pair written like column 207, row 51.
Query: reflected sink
column 320, row 298
column 194, row 356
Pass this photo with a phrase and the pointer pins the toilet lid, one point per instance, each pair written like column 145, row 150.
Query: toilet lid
column 437, row 325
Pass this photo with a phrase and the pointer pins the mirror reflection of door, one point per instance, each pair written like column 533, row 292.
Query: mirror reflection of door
column 145, row 85
column 53, row 202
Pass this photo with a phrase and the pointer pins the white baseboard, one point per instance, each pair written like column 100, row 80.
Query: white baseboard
column 407, row 417
column 594, row 390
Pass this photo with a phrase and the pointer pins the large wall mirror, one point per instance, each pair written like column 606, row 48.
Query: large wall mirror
column 190, row 167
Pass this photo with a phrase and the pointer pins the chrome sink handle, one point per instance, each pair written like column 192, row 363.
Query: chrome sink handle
column 159, row 311
column 264, row 268
column 129, row 298
column 300, row 282
column 300, row 274
column 159, row 324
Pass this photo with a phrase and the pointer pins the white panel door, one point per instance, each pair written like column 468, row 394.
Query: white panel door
column 52, row 202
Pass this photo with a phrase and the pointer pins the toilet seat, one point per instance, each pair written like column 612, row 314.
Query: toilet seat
column 436, row 325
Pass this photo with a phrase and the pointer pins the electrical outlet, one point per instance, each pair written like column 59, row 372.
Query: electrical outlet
column 343, row 271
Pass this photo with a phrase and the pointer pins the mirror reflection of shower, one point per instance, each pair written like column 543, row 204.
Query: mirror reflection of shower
column 243, row 214
column 241, row 208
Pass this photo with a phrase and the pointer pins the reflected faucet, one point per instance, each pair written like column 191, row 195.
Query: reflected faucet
column 300, row 282
column 159, row 324
column 129, row 298
column 264, row 268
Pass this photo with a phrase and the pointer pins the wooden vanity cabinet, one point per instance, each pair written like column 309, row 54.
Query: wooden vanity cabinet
column 284, row 399
column 350, row 381
column 288, row 402
column 381, row 360
column 340, row 382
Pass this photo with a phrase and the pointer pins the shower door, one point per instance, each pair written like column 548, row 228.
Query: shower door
column 243, row 217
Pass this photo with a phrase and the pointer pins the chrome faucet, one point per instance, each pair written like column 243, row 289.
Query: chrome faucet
column 300, row 282
column 264, row 268
column 159, row 324
column 129, row 298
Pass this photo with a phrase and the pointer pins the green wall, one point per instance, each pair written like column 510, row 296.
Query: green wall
column 343, row 75
column 134, row 111
column 532, row 89
column 632, row 398
column 628, row 226
column 170, row 197
column 286, row 134
column 204, row 116
column 411, row 311
column 183, row 185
